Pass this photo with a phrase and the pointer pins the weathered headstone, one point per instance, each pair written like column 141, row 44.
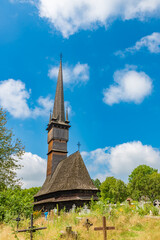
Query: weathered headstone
column 141, row 204
column 156, row 203
column 73, row 209
column 69, row 234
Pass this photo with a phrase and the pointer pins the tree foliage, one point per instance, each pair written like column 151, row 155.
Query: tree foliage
column 97, row 183
column 154, row 186
column 14, row 201
column 11, row 150
column 139, row 181
column 114, row 190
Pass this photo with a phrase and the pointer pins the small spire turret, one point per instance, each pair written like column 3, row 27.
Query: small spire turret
column 67, row 121
column 50, row 117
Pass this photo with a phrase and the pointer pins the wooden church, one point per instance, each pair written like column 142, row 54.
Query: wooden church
column 67, row 181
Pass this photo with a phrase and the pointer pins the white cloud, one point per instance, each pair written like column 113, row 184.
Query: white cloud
column 14, row 98
column 129, row 86
column 119, row 161
column 45, row 105
column 72, row 74
column 151, row 42
column 33, row 172
column 69, row 16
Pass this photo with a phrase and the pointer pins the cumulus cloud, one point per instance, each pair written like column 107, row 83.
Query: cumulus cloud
column 119, row 161
column 33, row 172
column 71, row 74
column 45, row 105
column 151, row 42
column 69, row 16
column 129, row 86
column 14, row 98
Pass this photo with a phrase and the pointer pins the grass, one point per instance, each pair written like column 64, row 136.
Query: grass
column 128, row 226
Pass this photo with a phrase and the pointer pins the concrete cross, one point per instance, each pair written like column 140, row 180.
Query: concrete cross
column 156, row 203
column 104, row 228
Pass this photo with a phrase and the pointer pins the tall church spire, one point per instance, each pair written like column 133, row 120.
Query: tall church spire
column 58, row 128
column 58, row 110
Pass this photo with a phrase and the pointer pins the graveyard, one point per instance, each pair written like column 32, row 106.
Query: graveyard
column 123, row 222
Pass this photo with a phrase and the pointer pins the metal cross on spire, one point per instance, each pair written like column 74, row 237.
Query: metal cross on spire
column 78, row 144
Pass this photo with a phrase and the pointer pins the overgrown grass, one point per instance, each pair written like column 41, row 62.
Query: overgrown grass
column 127, row 220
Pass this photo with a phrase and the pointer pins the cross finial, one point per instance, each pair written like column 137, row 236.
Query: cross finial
column 61, row 56
column 78, row 144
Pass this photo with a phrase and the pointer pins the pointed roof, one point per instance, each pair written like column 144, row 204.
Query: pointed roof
column 58, row 109
column 50, row 118
column 70, row 174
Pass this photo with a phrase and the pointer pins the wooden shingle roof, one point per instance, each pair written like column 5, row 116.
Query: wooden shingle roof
column 70, row 174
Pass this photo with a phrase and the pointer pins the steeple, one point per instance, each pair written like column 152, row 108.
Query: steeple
column 58, row 128
column 58, row 109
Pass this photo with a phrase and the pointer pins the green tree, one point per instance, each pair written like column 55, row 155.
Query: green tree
column 15, row 201
column 154, row 186
column 114, row 190
column 97, row 183
column 139, row 181
column 11, row 150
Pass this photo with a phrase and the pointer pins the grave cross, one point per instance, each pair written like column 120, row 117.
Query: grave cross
column 87, row 224
column 18, row 219
column 31, row 229
column 104, row 228
column 156, row 203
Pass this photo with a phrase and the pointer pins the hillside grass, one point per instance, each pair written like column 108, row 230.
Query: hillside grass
column 128, row 226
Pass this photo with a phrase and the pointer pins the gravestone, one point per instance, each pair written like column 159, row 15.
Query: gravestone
column 156, row 203
column 73, row 209
column 87, row 224
column 69, row 234
column 85, row 210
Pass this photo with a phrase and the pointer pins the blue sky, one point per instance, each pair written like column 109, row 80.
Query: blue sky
column 111, row 56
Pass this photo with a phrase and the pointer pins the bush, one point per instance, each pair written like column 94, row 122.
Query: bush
column 16, row 201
